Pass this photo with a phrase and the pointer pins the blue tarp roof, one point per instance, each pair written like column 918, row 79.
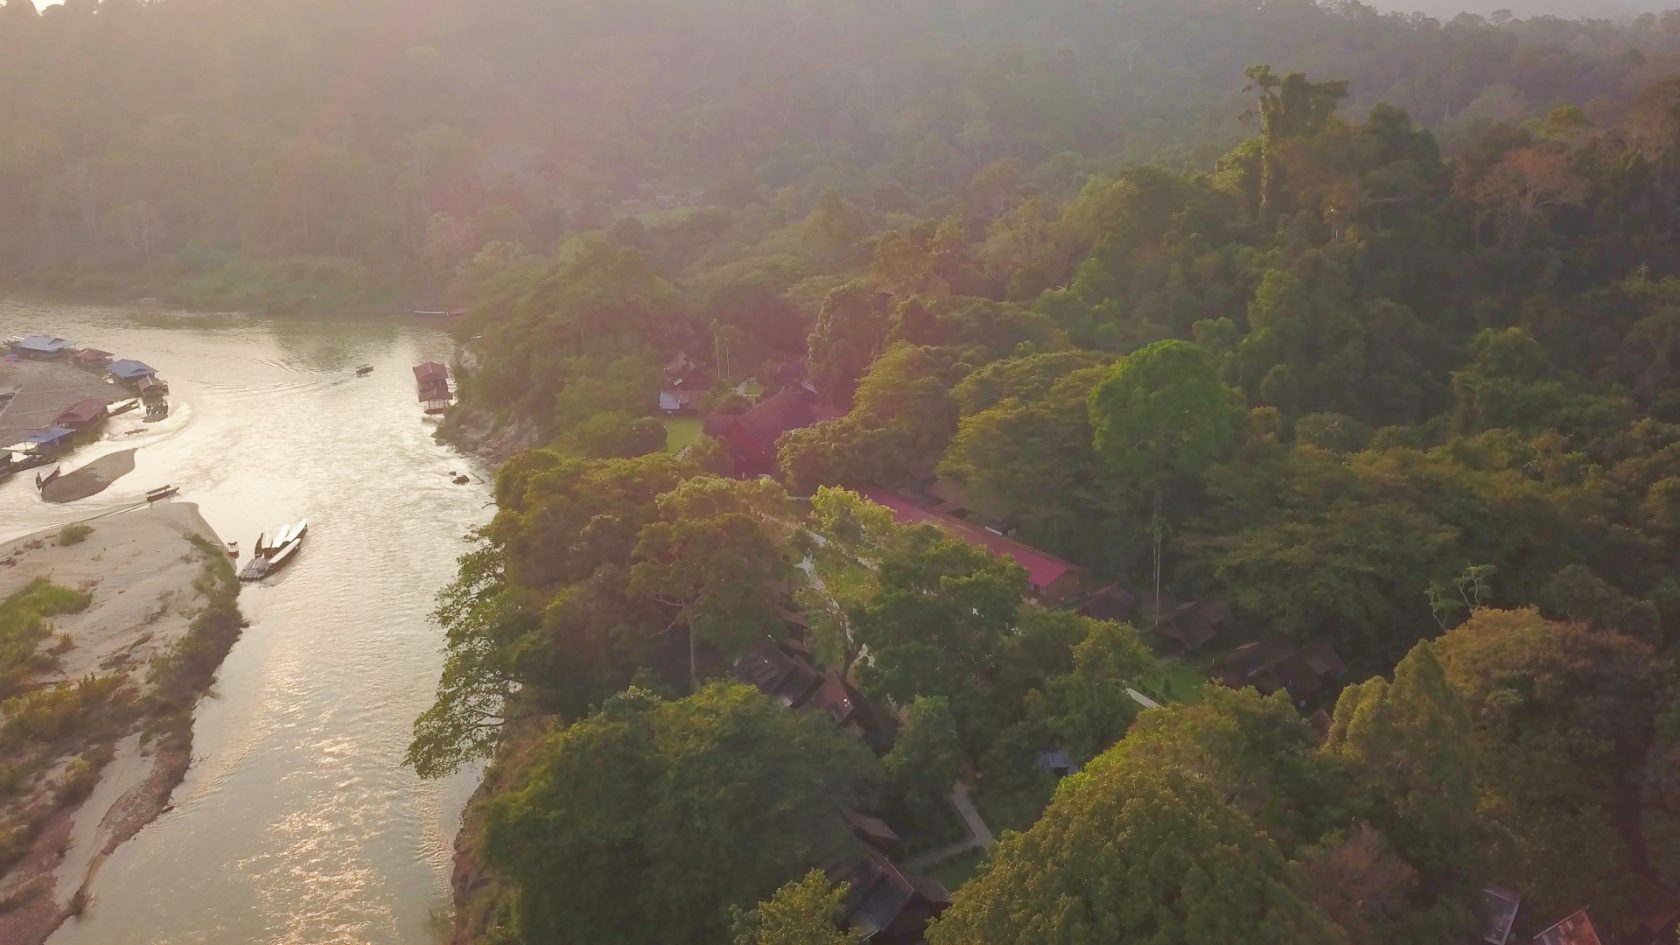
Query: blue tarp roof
column 45, row 343
column 128, row 369
column 49, row 435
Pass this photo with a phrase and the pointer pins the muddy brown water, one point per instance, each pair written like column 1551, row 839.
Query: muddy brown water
column 297, row 822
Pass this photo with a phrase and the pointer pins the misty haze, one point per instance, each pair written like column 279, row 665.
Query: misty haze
column 775, row 472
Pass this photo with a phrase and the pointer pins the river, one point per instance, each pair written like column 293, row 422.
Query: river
column 297, row 822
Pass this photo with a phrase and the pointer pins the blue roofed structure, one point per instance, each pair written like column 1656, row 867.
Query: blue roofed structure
column 47, row 441
column 130, row 370
column 42, row 346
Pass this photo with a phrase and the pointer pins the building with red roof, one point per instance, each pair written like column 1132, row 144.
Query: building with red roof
column 85, row 415
column 1053, row 580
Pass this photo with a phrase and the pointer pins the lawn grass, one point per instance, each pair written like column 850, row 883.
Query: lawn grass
column 957, row 870
column 680, row 432
column 1178, row 681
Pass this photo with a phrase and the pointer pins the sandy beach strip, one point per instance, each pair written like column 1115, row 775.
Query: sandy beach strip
column 139, row 568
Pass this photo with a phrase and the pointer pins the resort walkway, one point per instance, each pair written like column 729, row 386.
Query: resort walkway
column 979, row 835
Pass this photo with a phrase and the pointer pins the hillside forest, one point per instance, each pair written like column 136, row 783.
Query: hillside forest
column 1358, row 331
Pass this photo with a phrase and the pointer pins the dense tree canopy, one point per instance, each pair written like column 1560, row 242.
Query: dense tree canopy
column 650, row 820
column 1395, row 377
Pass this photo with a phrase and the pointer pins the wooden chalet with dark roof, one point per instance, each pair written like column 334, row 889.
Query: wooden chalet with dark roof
column 884, row 903
column 1189, row 626
column 853, row 713
column 779, row 672
column 1276, row 663
column 751, row 437
column 1498, row 913
column 684, row 373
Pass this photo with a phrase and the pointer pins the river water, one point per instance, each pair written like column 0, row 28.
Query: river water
column 296, row 823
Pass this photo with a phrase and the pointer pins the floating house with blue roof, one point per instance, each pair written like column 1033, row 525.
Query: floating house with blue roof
column 49, row 442
column 42, row 347
column 131, row 373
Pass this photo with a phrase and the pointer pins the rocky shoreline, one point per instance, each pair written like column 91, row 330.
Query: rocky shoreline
column 161, row 617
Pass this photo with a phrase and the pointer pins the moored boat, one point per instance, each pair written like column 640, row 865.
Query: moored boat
column 161, row 493
column 364, row 370
column 285, row 555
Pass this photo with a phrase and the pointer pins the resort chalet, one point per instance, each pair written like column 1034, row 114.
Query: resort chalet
column 1276, row 663
column 751, row 437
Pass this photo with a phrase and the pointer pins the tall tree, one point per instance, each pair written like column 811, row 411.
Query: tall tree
column 1405, row 743
column 1161, row 416
column 714, row 558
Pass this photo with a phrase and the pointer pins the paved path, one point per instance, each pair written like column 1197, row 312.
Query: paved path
column 979, row 835
column 1142, row 699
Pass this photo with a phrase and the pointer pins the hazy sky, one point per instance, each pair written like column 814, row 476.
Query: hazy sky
column 1567, row 8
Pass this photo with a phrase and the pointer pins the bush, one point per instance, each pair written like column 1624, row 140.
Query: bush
column 24, row 624
column 79, row 781
column 49, row 714
column 74, row 534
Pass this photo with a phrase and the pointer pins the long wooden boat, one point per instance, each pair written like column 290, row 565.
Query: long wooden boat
column 285, row 555
column 125, row 407
column 161, row 493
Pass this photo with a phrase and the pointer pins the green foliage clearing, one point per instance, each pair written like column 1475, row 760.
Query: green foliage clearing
column 24, row 623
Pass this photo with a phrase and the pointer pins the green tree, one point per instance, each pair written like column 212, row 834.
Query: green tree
column 1139, row 851
column 1660, row 796
column 926, row 756
column 1560, row 720
column 1405, row 743
column 803, row 912
column 482, row 621
column 1163, row 415
column 851, row 329
column 713, row 558
column 650, row 820
column 1088, row 708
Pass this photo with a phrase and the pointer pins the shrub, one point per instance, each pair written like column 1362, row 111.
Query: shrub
column 24, row 624
column 49, row 714
column 79, row 781
column 74, row 534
